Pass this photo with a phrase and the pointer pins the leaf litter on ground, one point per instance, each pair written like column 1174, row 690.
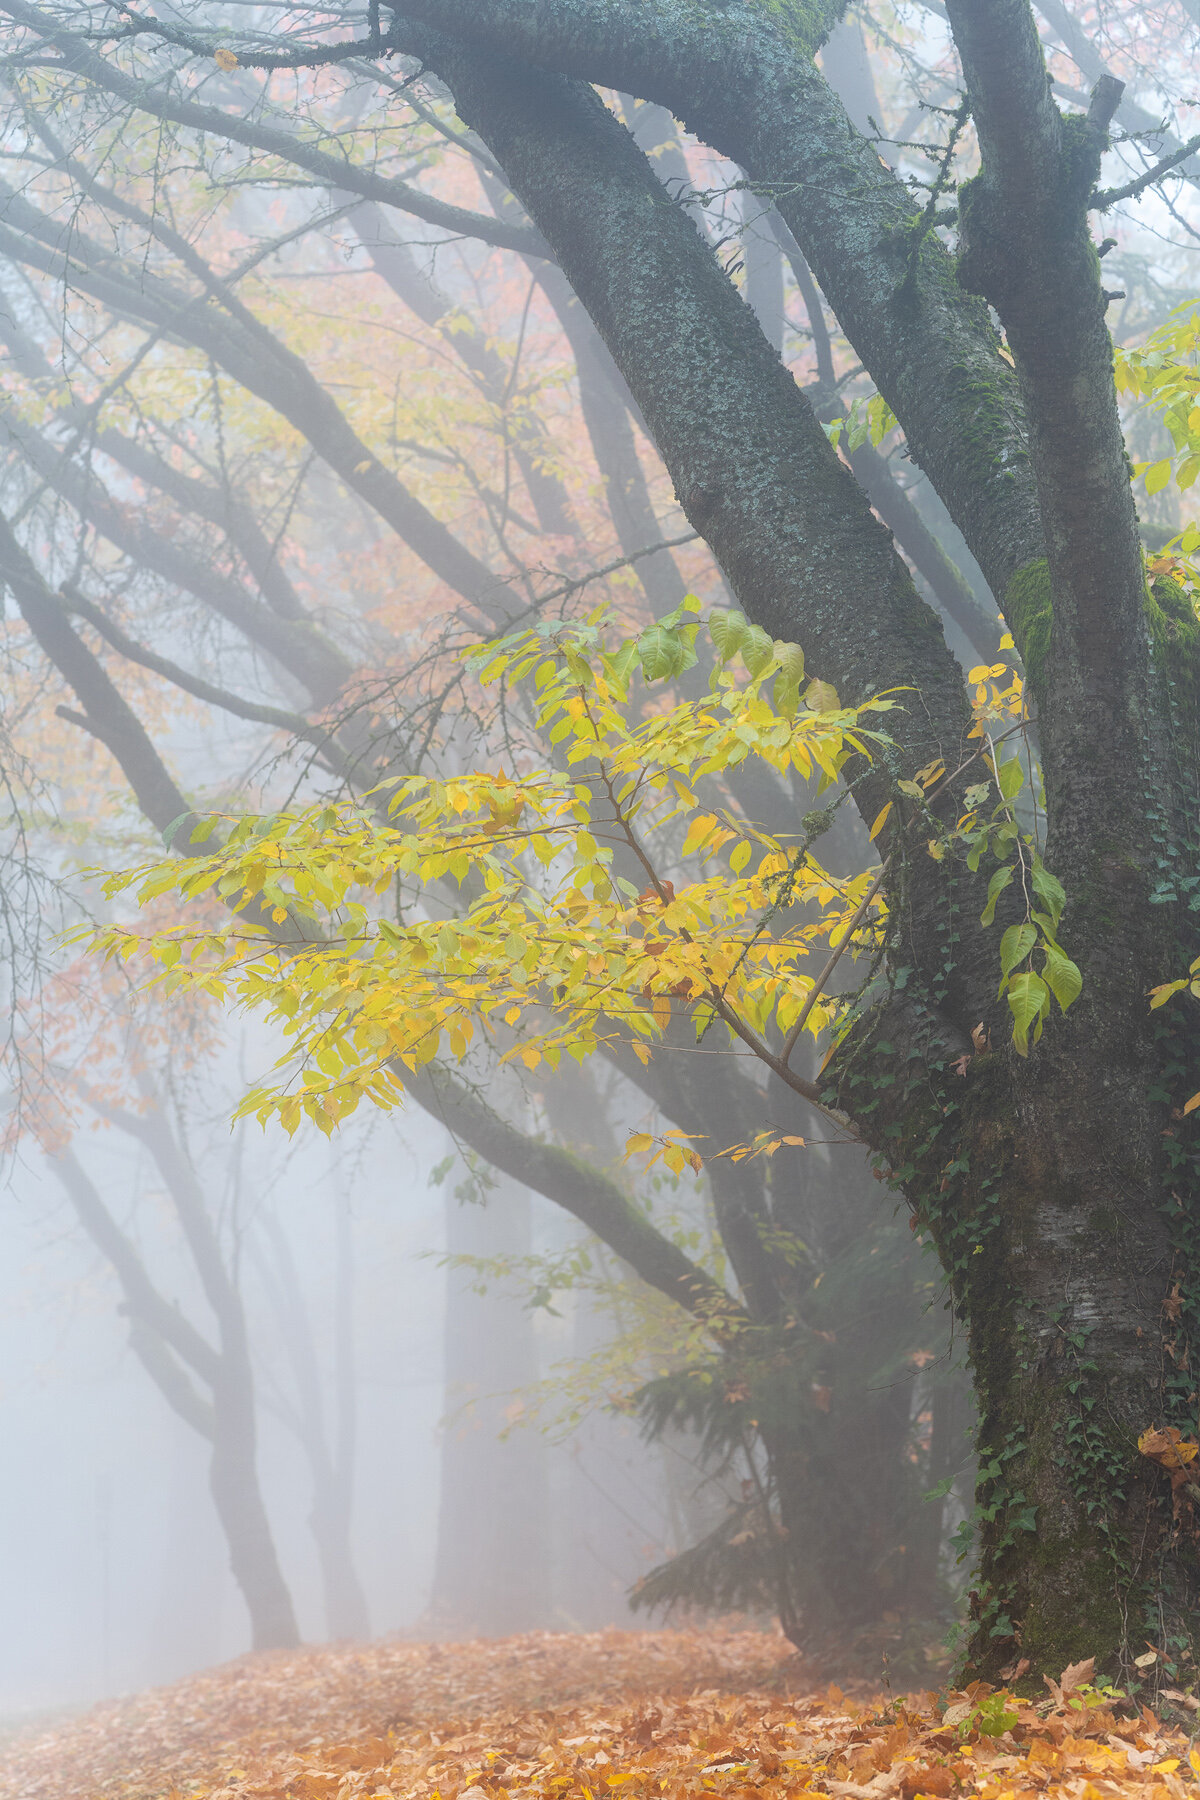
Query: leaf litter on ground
column 665, row 1715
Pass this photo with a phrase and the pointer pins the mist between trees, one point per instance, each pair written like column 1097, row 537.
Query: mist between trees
column 333, row 344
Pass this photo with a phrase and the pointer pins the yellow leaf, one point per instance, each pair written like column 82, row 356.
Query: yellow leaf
column 1192, row 1104
column 225, row 59
column 636, row 1142
column 880, row 821
column 1169, row 1447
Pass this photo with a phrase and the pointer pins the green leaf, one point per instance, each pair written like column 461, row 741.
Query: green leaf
column 1015, row 946
column 757, row 650
column 821, row 697
column 1049, row 890
column 1029, row 1000
column 1061, row 975
column 1158, row 475
column 727, row 629
column 1010, row 778
column 658, row 650
column 786, row 695
column 996, row 887
column 624, row 660
column 880, row 418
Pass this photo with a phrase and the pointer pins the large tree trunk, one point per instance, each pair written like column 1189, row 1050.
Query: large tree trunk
column 1061, row 1193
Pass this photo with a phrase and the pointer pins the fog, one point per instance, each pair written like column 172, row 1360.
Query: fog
column 274, row 452
column 115, row 1570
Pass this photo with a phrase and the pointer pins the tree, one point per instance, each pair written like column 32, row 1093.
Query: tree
column 492, row 1575
column 210, row 1386
column 328, row 1442
column 1048, row 1172
column 137, row 1079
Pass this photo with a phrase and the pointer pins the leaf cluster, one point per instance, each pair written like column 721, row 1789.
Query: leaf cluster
column 533, row 912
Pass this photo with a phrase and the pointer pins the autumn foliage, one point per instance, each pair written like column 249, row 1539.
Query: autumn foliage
column 667, row 1715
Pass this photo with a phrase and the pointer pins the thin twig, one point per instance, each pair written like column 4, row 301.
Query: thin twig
column 1106, row 197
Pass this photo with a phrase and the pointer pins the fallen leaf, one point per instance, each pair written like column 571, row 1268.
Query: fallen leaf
column 1169, row 1448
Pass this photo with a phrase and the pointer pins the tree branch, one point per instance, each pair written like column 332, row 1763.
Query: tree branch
column 298, row 646
column 80, row 59
column 132, row 651
column 1106, row 197
column 262, row 365
column 741, row 77
column 145, row 1303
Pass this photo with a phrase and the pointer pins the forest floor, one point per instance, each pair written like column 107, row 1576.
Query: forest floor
column 640, row 1715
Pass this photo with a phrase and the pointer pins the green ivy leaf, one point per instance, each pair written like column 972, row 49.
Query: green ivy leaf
column 757, row 650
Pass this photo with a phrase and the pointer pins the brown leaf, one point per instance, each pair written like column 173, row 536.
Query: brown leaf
column 1077, row 1675
column 1015, row 1670
column 932, row 1778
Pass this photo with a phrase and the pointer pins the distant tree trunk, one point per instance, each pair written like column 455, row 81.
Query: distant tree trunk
column 233, row 1477
column 612, row 1513
column 492, row 1569
column 764, row 269
column 331, row 1464
column 177, row 1357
